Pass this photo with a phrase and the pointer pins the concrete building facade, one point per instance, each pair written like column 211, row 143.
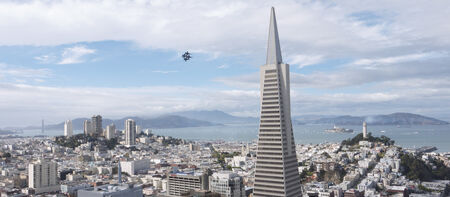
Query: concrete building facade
column 97, row 127
column 227, row 184
column 112, row 190
column 276, row 165
column 180, row 184
column 87, row 127
column 136, row 166
column 130, row 132
column 68, row 128
column 42, row 177
column 110, row 131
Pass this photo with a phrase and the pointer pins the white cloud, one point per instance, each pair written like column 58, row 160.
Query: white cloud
column 399, row 59
column 22, row 74
column 399, row 48
column 305, row 60
column 45, row 59
column 223, row 66
column 247, row 81
column 76, row 54
column 165, row 71
column 232, row 26
column 58, row 103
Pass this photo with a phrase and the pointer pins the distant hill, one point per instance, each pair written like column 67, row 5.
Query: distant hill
column 166, row 121
column 216, row 116
column 6, row 132
column 308, row 119
column 390, row 119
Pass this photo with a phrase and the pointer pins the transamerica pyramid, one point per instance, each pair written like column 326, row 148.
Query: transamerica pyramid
column 276, row 163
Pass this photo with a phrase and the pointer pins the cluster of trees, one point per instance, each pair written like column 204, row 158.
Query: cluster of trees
column 221, row 157
column 5, row 155
column 355, row 140
column 335, row 176
column 175, row 141
column 76, row 140
column 307, row 173
column 416, row 169
column 73, row 141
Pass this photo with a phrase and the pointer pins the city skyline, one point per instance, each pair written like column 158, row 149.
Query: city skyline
column 349, row 56
column 172, row 98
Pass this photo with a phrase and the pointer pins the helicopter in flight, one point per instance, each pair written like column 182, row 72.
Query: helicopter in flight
column 186, row 56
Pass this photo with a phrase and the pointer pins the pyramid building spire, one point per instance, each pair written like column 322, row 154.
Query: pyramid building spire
column 273, row 45
column 276, row 171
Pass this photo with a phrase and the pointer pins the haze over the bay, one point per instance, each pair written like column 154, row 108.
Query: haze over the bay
column 63, row 60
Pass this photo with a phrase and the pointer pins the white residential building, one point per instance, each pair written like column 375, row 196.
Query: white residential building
column 136, row 166
column 68, row 128
column 138, row 129
column 110, row 131
column 87, row 127
column 227, row 184
column 42, row 177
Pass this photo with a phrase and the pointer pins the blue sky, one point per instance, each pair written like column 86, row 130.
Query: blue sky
column 67, row 59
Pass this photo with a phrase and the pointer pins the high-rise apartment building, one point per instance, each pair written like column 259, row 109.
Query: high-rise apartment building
column 138, row 130
column 68, row 128
column 42, row 177
column 87, row 127
column 130, row 132
column 227, row 184
column 97, row 125
column 276, row 165
column 110, row 131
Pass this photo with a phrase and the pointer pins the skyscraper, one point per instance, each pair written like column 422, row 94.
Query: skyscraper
column 130, row 132
column 276, row 164
column 97, row 125
column 110, row 131
column 68, row 129
column 87, row 127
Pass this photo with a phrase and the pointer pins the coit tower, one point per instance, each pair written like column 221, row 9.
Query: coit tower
column 276, row 163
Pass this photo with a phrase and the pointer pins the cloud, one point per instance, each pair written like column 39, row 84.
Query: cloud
column 360, row 72
column 247, row 81
column 223, row 66
column 231, row 27
column 26, row 104
column 165, row 71
column 22, row 74
column 75, row 55
column 305, row 60
column 45, row 59
column 396, row 54
column 399, row 59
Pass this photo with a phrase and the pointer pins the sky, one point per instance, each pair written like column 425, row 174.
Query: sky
column 67, row 59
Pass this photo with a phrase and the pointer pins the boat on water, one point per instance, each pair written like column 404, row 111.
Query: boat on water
column 336, row 129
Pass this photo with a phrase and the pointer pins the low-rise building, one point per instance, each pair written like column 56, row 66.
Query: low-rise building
column 227, row 184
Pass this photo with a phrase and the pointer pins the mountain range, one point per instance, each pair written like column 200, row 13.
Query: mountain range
column 216, row 117
column 165, row 121
column 390, row 119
